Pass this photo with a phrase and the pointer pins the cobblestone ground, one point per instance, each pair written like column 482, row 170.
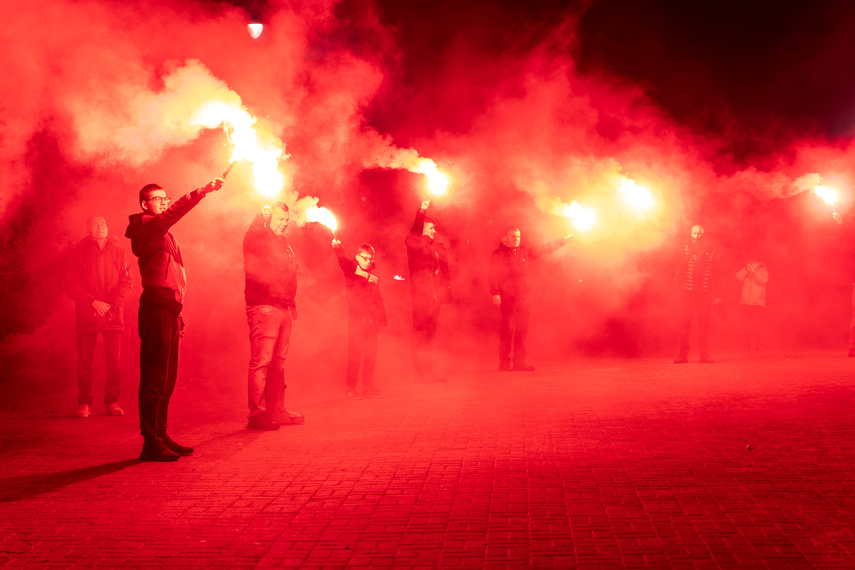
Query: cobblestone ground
column 581, row 464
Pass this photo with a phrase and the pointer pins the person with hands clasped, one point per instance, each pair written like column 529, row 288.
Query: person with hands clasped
column 160, row 324
column 366, row 315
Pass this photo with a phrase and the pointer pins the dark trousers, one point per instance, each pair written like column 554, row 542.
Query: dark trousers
column 513, row 333
column 361, row 346
column 753, row 317
column 85, row 354
column 159, row 333
column 697, row 306
column 425, row 320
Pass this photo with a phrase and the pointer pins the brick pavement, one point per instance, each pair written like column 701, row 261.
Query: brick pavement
column 583, row 464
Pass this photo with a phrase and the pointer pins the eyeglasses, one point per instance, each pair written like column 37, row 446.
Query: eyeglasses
column 160, row 199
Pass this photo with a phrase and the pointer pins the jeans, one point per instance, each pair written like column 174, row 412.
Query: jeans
column 361, row 346
column 753, row 322
column 269, row 338
column 159, row 333
column 513, row 333
column 85, row 353
column 695, row 304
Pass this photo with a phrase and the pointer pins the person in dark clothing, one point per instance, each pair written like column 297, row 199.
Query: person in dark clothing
column 512, row 294
column 99, row 281
column 697, row 278
column 430, row 287
column 366, row 315
column 271, row 290
column 160, row 323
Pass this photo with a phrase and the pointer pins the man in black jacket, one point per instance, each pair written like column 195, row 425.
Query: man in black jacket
column 510, row 290
column 430, row 287
column 99, row 281
column 697, row 278
column 160, row 323
column 366, row 316
column 271, row 290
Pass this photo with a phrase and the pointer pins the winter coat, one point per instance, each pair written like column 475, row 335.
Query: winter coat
column 161, row 265
column 270, row 267
column 364, row 300
column 430, row 278
column 698, row 269
column 753, row 285
column 96, row 274
column 508, row 268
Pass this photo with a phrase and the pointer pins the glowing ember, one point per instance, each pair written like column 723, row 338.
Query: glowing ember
column 583, row 218
column 247, row 144
column 323, row 217
column 638, row 197
column 827, row 194
column 437, row 181
column 255, row 29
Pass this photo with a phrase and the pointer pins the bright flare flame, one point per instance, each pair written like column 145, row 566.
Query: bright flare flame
column 583, row 218
column 638, row 197
column 255, row 29
column 437, row 181
column 323, row 217
column 827, row 194
column 246, row 144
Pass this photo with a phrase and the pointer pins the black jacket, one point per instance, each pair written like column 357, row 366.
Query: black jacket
column 364, row 300
column 430, row 278
column 96, row 274
column 270, row 267
column 508, row 268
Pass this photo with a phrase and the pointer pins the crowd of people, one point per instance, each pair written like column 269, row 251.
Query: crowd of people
column 99, row 281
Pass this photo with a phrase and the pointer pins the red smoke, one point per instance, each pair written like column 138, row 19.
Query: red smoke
column 517, row 128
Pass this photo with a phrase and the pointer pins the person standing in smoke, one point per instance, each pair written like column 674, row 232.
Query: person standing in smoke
column 697, row 278
column 430, row 288
column 366, row 316
column 160, row 322
column 271, row 289
column 99, row 281
column 511, row 293
column 752, row 301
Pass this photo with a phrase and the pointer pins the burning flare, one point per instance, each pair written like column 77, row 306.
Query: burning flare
column 436, row 180
column 323, row 216
column 638, row 197
column 827, row 194
column 583, row 218
column 247, row 144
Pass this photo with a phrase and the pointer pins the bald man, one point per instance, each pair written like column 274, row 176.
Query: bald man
column 697, row 280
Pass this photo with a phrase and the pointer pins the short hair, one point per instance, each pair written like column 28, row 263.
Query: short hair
column 91, row 219
column 146, row 191
column 510, row 229
column 366, row 248
column 280, row 206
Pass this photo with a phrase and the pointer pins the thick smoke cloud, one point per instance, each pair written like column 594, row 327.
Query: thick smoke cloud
column 101, row 98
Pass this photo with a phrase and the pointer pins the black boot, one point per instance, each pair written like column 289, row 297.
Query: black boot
column 154, row 450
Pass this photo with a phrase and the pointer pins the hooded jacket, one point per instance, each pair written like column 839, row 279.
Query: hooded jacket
column 508, row 268
column 161, row 265
column 753, row 285
column 270, row 266
column 364, row 300
column 96, row 274
column 430, row 278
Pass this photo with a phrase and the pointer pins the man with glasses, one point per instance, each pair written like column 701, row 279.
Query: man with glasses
column 160, row 322
column 366, row 315
column 271, row 289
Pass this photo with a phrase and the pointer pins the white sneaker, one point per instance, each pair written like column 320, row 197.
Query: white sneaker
column 83, row 411
column 113, row 409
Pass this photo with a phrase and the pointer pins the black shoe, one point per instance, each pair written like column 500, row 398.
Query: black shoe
column 505, row 366
column 260, row 422
column 181, row 450
column 157, row 451
column 523, row 367
column 681, row 360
